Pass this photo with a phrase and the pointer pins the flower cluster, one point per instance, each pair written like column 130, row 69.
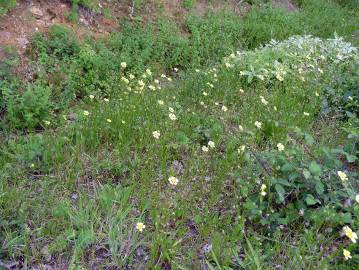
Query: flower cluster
column 263, row 190
column 353, row 237
column 173, row 180
column 299, row 55
column 210, row 144
column 350, row 234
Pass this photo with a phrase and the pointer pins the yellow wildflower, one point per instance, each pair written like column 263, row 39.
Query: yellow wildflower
column 346, row 254
column 140, row 226
column 211, row 144
column 350, row 234
column 205, row 148
column 156, row 134
column 172, row 116
column 263, row 190
column 342, row 176
column 258, row 124
column 280, row 147
column 173, row 180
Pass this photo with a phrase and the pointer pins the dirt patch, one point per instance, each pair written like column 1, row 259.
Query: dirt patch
column 29, row 17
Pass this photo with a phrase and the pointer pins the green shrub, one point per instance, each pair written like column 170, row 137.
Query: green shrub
column 92, row 5
column 188, row 4
column 340, row 96
column 297, row 183
column 60, row 43
column 7, row 79
column 29, row 109
column 319, row 18
column 261, row 25
column 213, row 36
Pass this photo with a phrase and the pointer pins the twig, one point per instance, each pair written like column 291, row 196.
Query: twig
column 239, row 2
column 261, row 162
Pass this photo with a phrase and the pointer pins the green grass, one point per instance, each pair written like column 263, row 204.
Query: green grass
column 80, row 166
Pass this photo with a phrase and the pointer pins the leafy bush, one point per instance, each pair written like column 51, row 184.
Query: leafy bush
column 262, row 25
column 7, row 78
column 320, row 18
column 295, row 56
column 301, row 179
column 213, row 36
column 29, row 109
column 341, row 96
column 60, row 43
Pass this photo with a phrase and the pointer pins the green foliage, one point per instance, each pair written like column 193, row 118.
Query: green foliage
column 7, row 79
column 30, row 108
column 92, row 5
column 216, row 35
column 6, row 5
column 341, row 95
column 298, row 183
column 188, row 4
column 317, row 17
column 60, row 43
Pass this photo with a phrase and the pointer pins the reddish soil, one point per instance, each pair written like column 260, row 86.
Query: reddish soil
column 30, row 16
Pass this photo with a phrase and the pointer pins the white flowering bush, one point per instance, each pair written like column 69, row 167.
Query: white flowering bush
column 296, row 56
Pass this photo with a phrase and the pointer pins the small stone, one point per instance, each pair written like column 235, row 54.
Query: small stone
column 84, row 21
column 207, row 248
column 36, row 12
column 22, row 42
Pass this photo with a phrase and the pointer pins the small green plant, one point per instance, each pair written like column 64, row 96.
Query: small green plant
column 29, row 109
column 6, row 5
column 296, row 184
column 188, row 4
column 59, row 43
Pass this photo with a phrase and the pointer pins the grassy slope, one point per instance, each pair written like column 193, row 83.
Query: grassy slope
column 72, row 193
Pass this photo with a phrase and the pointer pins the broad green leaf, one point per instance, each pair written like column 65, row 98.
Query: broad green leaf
column 319, row 188
column 283, row 182
column 280, row 191
column 287, row 167
column 310, row 200
column 350, row 158
column 315, row 168
column 182, row 138
column 345, row 218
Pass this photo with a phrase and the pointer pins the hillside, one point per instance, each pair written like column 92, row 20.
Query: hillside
column 192, row 134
